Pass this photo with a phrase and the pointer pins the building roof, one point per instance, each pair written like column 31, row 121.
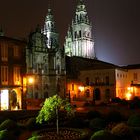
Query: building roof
column 134, row 66
column 13, row 39
column 75, row 64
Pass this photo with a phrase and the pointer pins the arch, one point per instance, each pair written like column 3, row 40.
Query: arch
column 13, row 99
column 97, row 94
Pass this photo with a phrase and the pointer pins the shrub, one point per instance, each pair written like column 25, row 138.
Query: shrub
column 134, row 120
column 122, row 131
column 134, row 123
column 135, row 103
column 97, row 124
column 103, row 135
column 124, row 102
column 3, row 134
column 31, row 123
column 116, row 100
column 6, row 135
column 34, row 137
column 114, row 116
column 93, row 114
column 8, row 125
column 11, row 126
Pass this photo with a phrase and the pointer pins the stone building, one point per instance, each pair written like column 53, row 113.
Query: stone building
column 12, row 73
column 45, row 61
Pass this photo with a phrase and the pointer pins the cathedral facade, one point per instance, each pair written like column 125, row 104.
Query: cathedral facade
column 45, row 61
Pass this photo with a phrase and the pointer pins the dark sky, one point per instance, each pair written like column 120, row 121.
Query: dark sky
column 116, row 24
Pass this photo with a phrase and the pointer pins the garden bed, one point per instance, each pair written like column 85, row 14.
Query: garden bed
column 64, row 134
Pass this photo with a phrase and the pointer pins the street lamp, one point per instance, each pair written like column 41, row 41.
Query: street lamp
column 30, row 80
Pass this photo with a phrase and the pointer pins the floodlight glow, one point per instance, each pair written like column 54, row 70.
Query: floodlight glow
column 30, row 80
column 128, row 96
column 4, row 100
column 81, row 88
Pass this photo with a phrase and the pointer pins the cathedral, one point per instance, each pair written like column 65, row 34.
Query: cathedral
column 46, row 60
column 73, row 71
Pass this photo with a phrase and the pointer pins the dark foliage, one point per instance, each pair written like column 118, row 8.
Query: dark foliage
column 135, row 103
column 122, row 131
column 103, row 135
column 6, row 135
column 93, row 114
column 76, row 122
column 114, row 116
column 116, row 100
column 97, row 124
column 134, row 120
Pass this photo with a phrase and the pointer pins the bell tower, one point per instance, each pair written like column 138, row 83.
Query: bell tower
column 55, row 57
column 79, row 40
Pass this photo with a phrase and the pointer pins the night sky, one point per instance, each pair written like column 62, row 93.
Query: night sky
column 116, row 24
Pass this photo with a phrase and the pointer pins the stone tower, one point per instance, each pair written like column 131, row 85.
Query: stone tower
column 79, row 40
column 45, row 61
column 55, row 57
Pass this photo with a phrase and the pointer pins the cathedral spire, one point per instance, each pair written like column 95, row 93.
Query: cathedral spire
column 49, row 31
column 81, row 13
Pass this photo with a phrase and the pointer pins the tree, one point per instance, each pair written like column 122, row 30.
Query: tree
column 51, row 108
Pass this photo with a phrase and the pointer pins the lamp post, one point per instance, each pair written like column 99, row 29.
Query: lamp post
column 30, row 82
column 26, row 81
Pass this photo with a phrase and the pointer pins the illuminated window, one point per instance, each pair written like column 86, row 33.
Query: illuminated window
column 4, row 52
column 16, row 51
column 4, row 100
column 16, row 75
column 4, row 75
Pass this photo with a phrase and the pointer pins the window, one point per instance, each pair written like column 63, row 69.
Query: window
column 80, row 33
column 75, row 34
column 135, row 76
column 4, row 75
column 16, row 75
column 107, row 80
column 16, row 51
column 4, row 52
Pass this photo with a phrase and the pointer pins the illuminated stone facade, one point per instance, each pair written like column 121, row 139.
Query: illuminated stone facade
column 45, row 61
column 79, row 40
